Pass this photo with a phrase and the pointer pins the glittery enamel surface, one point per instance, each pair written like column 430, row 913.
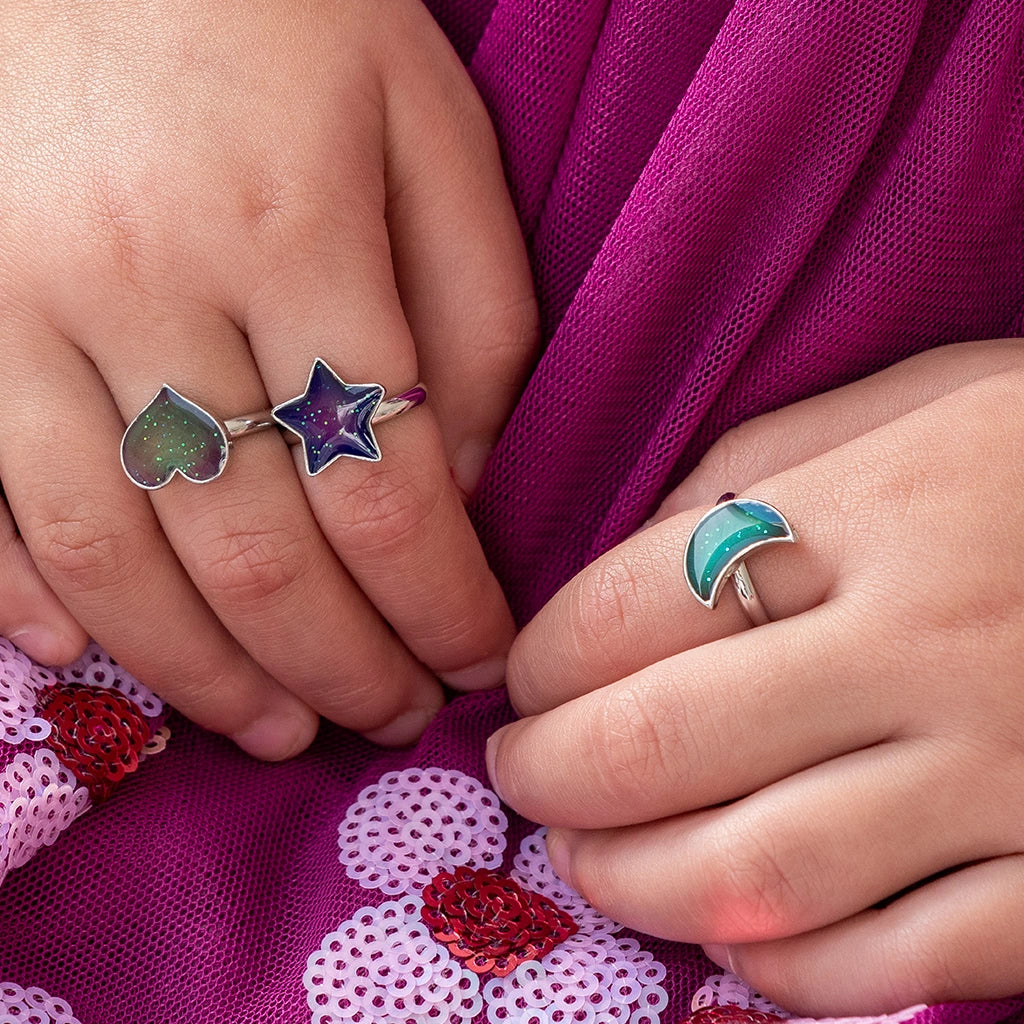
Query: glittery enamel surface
column 723, row 537
column 332, row 418
column 172, row 435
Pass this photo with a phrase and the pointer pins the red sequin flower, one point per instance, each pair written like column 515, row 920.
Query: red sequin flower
column 490, row 921
column 97, row 734
column 729, row 1014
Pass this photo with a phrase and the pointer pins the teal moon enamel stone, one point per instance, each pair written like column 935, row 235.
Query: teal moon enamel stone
column 724, row 537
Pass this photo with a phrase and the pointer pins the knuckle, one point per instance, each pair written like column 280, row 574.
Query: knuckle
column 727, row 462
column 120, row 231
column 503, row 335
column 385, row 511
column 253, row 564
column 607, row 606
column 627, row 738
column 755, row 894
column 283, row 207
column 921, row 968
column 82, row 548
column 728, row 465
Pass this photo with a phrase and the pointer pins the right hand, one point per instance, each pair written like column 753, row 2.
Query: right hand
column 211, row 199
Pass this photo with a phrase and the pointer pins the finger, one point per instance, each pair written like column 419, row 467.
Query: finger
column 251, row 545
column 97, row 543
column 458, row 254
column 631, row 607
column 398, row 525
column 709, row 725
column 789, row 858
column 958, row 937
column 31, row 615
column 769, row 444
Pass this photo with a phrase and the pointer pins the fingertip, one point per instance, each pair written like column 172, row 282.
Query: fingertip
column 403, row 731
column 558, row 854
column 491, row 753
column 50, row 645
column 484, row 675
column 719, row 955
column 278, row 736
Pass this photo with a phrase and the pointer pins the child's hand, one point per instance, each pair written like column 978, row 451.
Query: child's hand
column 761, row 791
column 211, row 195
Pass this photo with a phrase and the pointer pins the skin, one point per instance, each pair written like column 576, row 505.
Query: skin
column 830, row 803
column 211, row 200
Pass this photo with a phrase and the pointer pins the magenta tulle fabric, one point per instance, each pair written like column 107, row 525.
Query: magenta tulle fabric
column 730, row 205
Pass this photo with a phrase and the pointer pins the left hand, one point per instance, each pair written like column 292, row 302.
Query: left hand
column 831, row 803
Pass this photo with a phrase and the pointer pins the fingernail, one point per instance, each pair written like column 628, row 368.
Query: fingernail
column 558, row 854
column 404, row 730
column 640, row 529
column 276, row 737
column 491, row 757
column 719, row 955
column 469, row 463
column 484, row 675
column 40, row 643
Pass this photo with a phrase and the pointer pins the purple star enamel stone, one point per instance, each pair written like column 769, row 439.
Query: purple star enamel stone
column 332, row 418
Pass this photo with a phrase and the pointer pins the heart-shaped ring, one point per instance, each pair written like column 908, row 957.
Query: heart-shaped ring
column 173, row 435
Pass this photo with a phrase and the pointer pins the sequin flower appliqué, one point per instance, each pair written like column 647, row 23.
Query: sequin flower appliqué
column 454, row 938
column 68, row 738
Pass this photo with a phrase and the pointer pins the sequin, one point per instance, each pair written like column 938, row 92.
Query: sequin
column 39, row 799
column 97, row 668
column 588, row 979
column 726, row 989
column 534, row 871
column 97, row 733
column 19, row 720
column 156, row 744
column 479, row 919
column 412, row 824
column 490, row 921
column 32, row 1006
column 731, row 1014
column 382, row 966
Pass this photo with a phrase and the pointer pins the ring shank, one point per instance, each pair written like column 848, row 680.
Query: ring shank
column 751, row 603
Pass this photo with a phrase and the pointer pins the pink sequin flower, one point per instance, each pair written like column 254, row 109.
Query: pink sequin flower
column 740, row 1004
column 403, row 962
column 32, row 1006
column 65, row 756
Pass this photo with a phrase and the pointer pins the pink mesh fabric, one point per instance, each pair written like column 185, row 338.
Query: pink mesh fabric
column 747, row 203
column 730, row 205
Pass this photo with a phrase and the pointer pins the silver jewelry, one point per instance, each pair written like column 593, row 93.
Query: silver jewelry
column 721, row 541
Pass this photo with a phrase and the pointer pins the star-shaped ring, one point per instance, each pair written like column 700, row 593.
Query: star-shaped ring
column 333, row 419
